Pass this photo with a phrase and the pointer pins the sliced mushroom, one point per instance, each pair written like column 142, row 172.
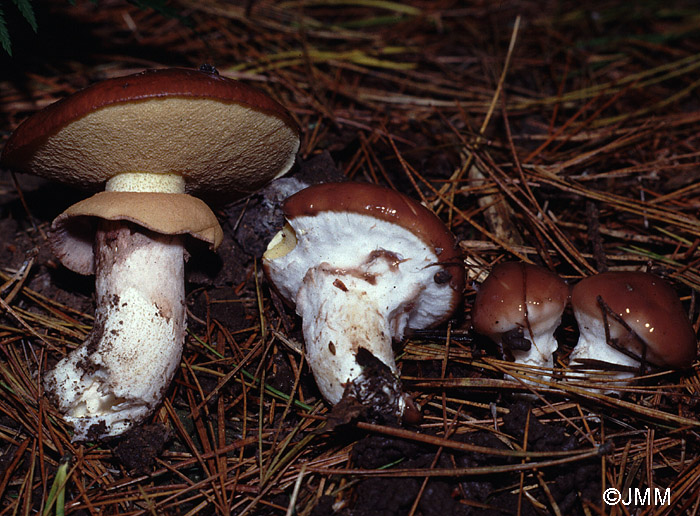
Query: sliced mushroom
column 362, row 263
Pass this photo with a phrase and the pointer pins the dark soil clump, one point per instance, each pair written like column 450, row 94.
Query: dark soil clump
column 570, row 487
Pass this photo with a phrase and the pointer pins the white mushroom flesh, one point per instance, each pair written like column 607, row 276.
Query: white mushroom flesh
column 592, row 345
column 119, row 374
column 357, row 282
column 544, row 344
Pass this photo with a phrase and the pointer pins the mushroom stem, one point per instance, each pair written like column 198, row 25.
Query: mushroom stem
column 119, row 374
column 342, row 312
column 591, row 346
column 542, row 347
column 146, row 182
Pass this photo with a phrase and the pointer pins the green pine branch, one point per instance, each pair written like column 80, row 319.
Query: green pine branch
column 27, row 11
column 4, row 34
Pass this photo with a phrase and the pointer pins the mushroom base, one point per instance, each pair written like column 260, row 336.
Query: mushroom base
column 541, row 351
column 592, row 348
column 540, row 355
column 594, row 359
column 119, row 374
column 342, row 312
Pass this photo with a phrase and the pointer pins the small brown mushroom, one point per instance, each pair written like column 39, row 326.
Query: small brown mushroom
column 150, row 140
column 519, row 306
column 631, row 319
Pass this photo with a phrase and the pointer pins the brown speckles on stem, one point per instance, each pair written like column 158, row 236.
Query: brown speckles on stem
column 97, row 333
column 117, row 377
column 339, row 284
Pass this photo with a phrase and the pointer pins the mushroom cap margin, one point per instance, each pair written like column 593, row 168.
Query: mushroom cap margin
column 72, row 232
column 160, row 121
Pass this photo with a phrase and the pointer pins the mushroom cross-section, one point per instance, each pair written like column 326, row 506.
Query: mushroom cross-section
column 150, row 140
column 519, row 306
column 631, row 319
column 362, row 263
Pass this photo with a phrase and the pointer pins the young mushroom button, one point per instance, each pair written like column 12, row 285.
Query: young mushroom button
column 150, row 140
column 362, row 263
column 519, row 306
column 631, row 319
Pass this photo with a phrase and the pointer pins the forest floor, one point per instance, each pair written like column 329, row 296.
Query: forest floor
column 548, row 132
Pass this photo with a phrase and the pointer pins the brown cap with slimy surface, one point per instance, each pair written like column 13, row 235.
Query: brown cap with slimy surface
column 387, row 205
column 220, row 135
column 516, row 295
column 648, row 306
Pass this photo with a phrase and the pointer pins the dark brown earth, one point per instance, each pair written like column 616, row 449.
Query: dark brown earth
column 487, row 495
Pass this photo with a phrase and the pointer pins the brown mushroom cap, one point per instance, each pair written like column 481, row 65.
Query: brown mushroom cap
column 387, row 205
column 516, row 295
column 651, row 309
column 221, row 135
column 73, row 231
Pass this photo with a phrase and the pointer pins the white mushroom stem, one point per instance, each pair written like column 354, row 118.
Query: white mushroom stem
column 119, row 374
column 341, row 313
column 592, row 345
column 541, row 352
column 540, row 357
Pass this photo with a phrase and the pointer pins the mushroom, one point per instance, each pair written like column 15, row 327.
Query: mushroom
column 519, row 306
column 631, row 319
column 149, row 139
column 362, row 263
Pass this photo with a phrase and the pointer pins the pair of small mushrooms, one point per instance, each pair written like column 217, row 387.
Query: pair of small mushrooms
column 627, row 319
column 150, row 140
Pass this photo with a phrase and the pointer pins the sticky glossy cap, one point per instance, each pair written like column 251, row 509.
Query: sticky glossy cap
column 387, row 205
column 649, row 306
column 221, row 135
column 515, row 295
